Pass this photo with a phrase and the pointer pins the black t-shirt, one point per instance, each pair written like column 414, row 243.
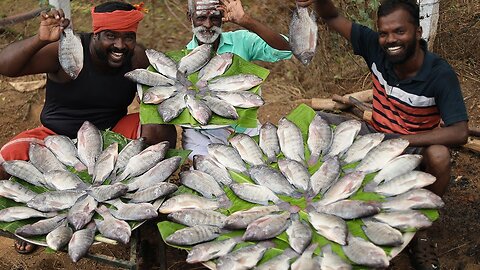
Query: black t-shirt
column 415, row 104
column 101, row 98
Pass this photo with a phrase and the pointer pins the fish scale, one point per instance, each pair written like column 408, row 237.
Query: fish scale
column 147, row 77
column 215, row 67
column 221, row 107
column 170, row 108
column 248, row 149
column 295, row 172
column 207, row 165
column 41, row 227
column 291, row 140
column 81, row 213
column 105, row 164
column 269, row 141
column 365, row 253
column 193, row 235
column 235, row 83
column 303, row 31
column 89, row 145
column 195, row 60
column 268, row 177
column 381, row 233
column 15, row 191
column 64, row 149
column 187, row 201
column 155, row 175
column 202, row 183
column 243, row 258
column 55, row 200
column 80, row 242
column 299, row 234
column 241, row 99
column 43, row 159
column 380, row 155
column 144, row 161
column 266, row 227
column 343, row 137
column 152, row 193
column 21, row 212
column 194, row 217
column 319, row 138
column 254, row 193
column 329, row 226
column 111, row 227
column 59, row 237
column 64, row 180
column 325, row 176
column 227, row 156
column 210, row 250
column 241, row 219
column 133, row 148
column 198, row 109
column 70, row 53
column 405, row 182
column 25, row 171
column 157, row 94
column 162, row 63
column 361, row 146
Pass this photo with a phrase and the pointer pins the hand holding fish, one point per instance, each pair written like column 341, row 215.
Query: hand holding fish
column 232, row 11
column 52, row 25
column 304, row 3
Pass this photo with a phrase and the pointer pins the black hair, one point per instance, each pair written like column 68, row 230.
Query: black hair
column 112, row 6
column 388, row 6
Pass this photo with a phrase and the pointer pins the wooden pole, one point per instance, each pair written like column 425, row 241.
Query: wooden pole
column 22, row 17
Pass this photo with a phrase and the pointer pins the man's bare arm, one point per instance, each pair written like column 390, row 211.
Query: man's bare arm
column 452, row 135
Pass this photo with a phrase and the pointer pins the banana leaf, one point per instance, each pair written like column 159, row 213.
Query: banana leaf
column 247, row 117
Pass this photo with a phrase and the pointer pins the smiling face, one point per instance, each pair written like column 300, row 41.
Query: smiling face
column 399, row 36
column 113, row 47
column 206, row 21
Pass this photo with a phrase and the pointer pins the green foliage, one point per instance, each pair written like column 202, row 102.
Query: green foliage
column 362, row 11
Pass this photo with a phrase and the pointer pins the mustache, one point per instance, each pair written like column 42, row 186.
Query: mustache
column 203, row 29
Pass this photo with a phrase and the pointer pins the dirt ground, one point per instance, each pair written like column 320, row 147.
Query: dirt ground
column 334, row 70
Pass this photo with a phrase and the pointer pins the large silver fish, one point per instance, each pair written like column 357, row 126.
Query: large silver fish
column 144, row 161
column 59, row 237
column 365, row 253
column 343, row 137
column 271, row 178
column 21, row 212
column 170, row 108
column 241, row 99
column 111, row 227
column 280, row 262
column 221, row 107
column 157, row 94
column 80, row 242
column 325, row 176
column 379, row 156
column 291, row 140
column 64, row 180
column 299, row 234
column 105, row 164
column 343, row 188
column 207, row 165
column 227, row 156
column 381, row 233
column 350, row 209
column 151, row 193
column 269, row 141
column 296, row 173
column 405, row 220
column 82, row 212
column 193, row 235
column 329, row 226
column 306, row 262
column 303, row 33
column 266, row 227
column 90, row 145
column 241, row 219
column 147, row 77
column 64, row 149
column 215, row 67
column 15, row 191
column 331, row 261
column 210, row 250
column 162, row 63
column 107, row 192
column 55, row 200
column 132, row 211
column 243, row 258
column 361, row 146
column 41, row 227
column 202, row 182
column 194, row 217
column 254, row 193
column 414, row 199
column 70, row 53
column 25, row 171
column 187, row 201
column 155, row 175
column 43, row 159
column 198, row 109
column 240, row 82
column 133, row 148
column 195, row 60
column 319, row 138
column 405, row 182
column 248, row 149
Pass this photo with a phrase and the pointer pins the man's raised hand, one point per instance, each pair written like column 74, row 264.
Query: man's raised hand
column 51, row 25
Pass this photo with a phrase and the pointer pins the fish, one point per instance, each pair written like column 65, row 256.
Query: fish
column 220, row 107
column 202, row 183
column 64, row 180
column 194, row 217
column 105, row 164
column 268, row 177
column 195, row 59
column 70, row 53
column 235, row 83
column 144, row 161
column 15, row 213
column 170, row 108
column 306, row 262
column 162, row 63
column 397, row 166
column 404, row 220
column 241, row 219
column 228, row 157
column 41, row 227
column 151, row 193
column 111, row 227
column 198, row 109
column 295, row 173
column 193, row 235
column 380, row 155
column 82, row 212
column 89, row 145
column 80, row 242
column 325, row 176
column 381, row 233
column 243, row 258
column 299, row 234
column 187, row 201
column 365, row 253
column 210, row 250
column 59, row 238
column 25, row 171
column 248, row 149
column 361, row 146
column 15, row 191
column 133, row 148
column 331, row 261
column 43, row 159
column 343, row 188
column 132, row 211
column 319, row 138
column 291, row 140
column 65, row 151
column 266, row 227
column 343, row 137
column 350, row 209
column 107, row 192
column 55, row 200
column 303, row 31
column 413, row 199
column 209, row 166
column 147, row 77
column 329, row 226
column 280, row 262
column 157, row 94
column 404, row 183
column 268, row 141
column 254, row 193
column 155, row 175
column 215, row 67
column 240, row 99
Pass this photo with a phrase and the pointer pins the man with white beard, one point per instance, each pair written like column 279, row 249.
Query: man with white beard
column 256, row 42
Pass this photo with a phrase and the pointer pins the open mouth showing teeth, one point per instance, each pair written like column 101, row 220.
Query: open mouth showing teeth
column 394, row 49
column 116, row 56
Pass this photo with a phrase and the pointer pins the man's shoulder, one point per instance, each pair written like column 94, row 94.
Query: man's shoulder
column 139, row 58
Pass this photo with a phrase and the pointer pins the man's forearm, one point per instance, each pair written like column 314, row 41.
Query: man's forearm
column 272, row 38
column 15, row 57
column 453, row 135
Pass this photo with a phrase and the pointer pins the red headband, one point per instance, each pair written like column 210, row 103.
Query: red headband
column 118, row 20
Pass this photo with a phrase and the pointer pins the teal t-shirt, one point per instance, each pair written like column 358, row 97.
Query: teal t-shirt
column 247, row 45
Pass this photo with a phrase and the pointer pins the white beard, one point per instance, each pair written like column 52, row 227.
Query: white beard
column 206, row 36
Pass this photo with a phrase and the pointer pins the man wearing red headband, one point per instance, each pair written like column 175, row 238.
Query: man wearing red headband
column 99, row 94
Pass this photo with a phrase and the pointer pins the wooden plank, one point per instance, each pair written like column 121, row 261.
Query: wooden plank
column 473, row 145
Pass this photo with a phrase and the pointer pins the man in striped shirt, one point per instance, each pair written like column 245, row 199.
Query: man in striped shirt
column 414, row 89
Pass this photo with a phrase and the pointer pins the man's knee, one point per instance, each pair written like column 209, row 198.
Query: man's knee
column 154, row 133
column 437, row 156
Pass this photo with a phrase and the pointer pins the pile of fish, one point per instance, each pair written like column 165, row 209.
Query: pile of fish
column 324, row 172
column 173, row 92
column 130, row 182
